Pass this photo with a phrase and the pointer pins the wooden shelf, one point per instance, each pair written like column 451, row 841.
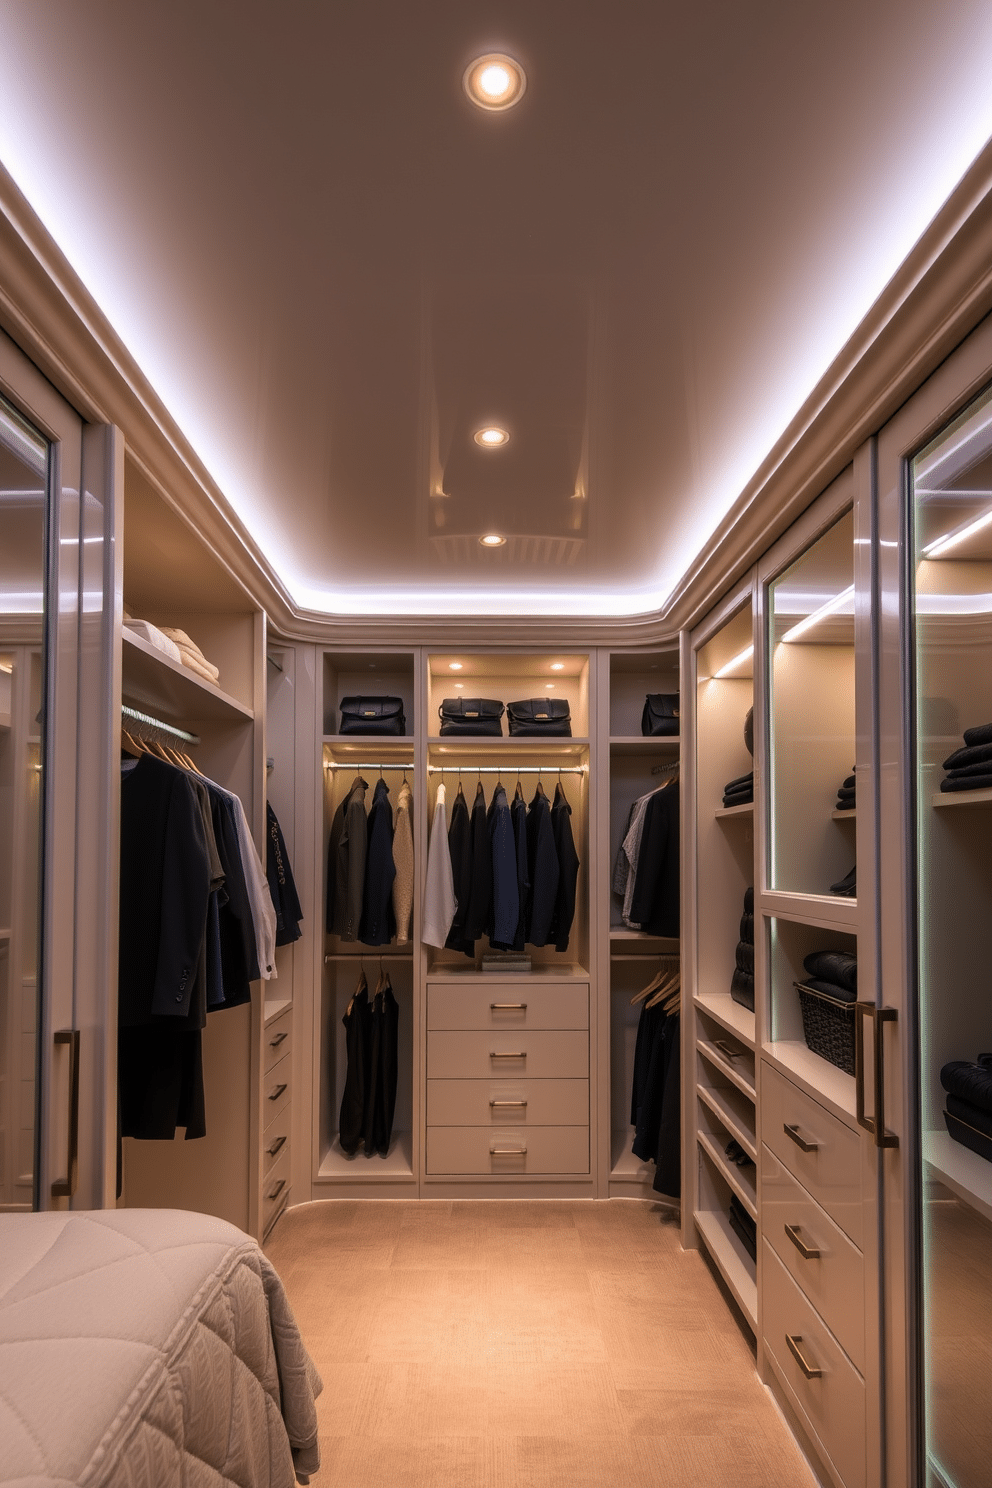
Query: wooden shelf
column 724, row 1065
column 624, row 1164
column 275, row 1007
column 827, row 911
column 467, row 751
column 397, row 1164
column 621, row 935
column 818, row 1077
column 389, row 748
column 963, row 1171
column 725, row 813
column 731, row 1260
column 154, row 683
column 470, row 973
column 962, row 798
column 722, row 1008
column 836, row 815
column 639, row 744
column 731, row 1173
column 721, row 1108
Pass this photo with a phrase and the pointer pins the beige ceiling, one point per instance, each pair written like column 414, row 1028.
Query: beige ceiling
column 333, row 269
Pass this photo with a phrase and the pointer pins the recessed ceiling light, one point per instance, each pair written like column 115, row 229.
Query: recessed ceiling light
column 557, row 666
column 548, row 686
column 492, row 540
column 459, row 684
column 455, row 666
column 494, row 81
column 491, row 437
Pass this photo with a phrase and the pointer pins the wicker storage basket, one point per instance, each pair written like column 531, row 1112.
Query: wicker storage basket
column 828, row 1026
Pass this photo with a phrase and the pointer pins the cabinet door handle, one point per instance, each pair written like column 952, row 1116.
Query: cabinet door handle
column 507, row 1103
column 793, row 1133
column 275, row 1192
column 496, row 1054
column 64, row 1188
column 876, row 1123
column 507, row 1151
column 280, row 1038
column 730, row 1050
column 809, row 1370
column 808, row 1252
column 277, row 1146
column 275, row 1094
column 502, row 1007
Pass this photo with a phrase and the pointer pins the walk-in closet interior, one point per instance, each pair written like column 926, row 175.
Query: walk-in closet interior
column 495, row 703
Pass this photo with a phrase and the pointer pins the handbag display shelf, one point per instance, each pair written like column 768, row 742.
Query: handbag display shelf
column 471, row 717
column 540, row 718
column 828, row 1026
column 660, row 718
column 373, row 716
column 969, row 1136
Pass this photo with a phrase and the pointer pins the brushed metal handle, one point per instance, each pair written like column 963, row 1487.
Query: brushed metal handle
column 275, row 1094
column 731, row 1050
column 277, row 1146
column 280, row 1038
column 507, row 1103
column 277, row 1190
column 809, row 1370
column 517, row 1007
column 64, row 1188
column 876, row 1123
column 507, row 1151
column 496, row 1054
column 793, row 1133
column 808, row 1252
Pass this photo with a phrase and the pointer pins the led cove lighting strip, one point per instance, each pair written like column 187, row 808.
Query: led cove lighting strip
column 830, row 608
column 737, row 661
column 950, row 540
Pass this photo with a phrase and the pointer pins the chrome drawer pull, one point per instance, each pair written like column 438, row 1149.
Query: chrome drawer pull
column 499, row 1007
column 507, row 1103
column 793, row 1133
column 277, row 1190
column 809, row 1370
column 808, row 1252
column 280, row 1038
column 507, row 1151
column 495, row 1054
column 275, row 1094
column 730, row 1050
column 277, row 1146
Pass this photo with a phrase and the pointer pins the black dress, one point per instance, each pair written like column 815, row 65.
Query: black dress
column 357, row 1026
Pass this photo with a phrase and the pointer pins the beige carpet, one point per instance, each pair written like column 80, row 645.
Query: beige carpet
column 524, row 1345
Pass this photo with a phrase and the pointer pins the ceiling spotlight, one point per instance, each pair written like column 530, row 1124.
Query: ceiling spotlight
column 557, row 666
column 548, row 686
column 491, row 437
column 492, row 540
column 455, row 666
column 494, row 81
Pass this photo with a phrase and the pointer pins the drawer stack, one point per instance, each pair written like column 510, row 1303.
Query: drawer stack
column 508, row 1079
column 276, row 1118
column 813, row 1276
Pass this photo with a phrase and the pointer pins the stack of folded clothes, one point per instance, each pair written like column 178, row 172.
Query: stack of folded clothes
column 845, row 793
column 834, row 973
column 742, row 982
column 970, row 768
column 190, row 654
column 744, row 1227
column 826, row 999
column 151, row 633
column 738, row 792
column 969, row 1103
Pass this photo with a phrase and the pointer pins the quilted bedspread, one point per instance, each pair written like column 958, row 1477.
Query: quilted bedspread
column 145, row 1348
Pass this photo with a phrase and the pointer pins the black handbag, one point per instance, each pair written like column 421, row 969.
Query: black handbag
column 471, row 716
column 660, row 718
column 372, row 715
column 540, row 717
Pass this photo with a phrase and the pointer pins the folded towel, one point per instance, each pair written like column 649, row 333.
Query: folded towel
column 747, row 779
column 833, row 966
column 971, row 1082
column 966, row 782
column 745, row 799
column 154, row 637
column 749, row 901
column 848, row 783
column 980, row 734
column 974, row 754
column 846, row 792
column 745, row 957
column 747, row 929
column 192, row 656
column 846, row 806
column 830, row 989
column 742, row 988
column 961, row 772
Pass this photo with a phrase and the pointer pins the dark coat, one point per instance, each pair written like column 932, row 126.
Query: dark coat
column 518, row 814
column 346, row 853
column 378, row 923
column 655, row 905
column 460, row 848
column 502, row 926
column 481, row 898
column 568, row 870
column 282, row 885
column 542, row 868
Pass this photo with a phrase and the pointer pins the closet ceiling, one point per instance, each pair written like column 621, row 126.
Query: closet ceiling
column 333, row 268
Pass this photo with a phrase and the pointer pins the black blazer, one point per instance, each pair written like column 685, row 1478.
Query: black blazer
column 518, row 815
column 568, row 870
column 655, row 905
column 378, row 923
column 502, row 926
column 542, row 866
column 460, row 848
column 481, row 898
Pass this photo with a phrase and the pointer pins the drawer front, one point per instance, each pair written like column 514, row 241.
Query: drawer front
column 508, row 1005
column 834, row 1404
column 275, row 1190
column 275, row 1140
column 538, row 1054
column 831, row 1169
column 277, row 1039
column 507, row 1152
column 508, row 1102
column 275, row 1091
column 833, row 1280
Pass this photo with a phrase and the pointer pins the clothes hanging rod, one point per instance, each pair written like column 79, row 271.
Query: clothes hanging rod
column 385, row 765
column 156, row 723
column 509, row 769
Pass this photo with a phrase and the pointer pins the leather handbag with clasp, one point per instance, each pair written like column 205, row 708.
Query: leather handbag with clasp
column 472, row 717
column 372, row 715
column 540, row 717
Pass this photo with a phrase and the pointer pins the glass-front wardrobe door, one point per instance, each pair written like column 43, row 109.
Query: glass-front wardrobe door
column 950, row 508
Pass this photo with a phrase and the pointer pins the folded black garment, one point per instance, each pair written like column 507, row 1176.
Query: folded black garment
column 966, row 782
column 749, row 901
column 974, row 754
column 973, row 1115
column 834, row 966
column 980, row 734
column 747, row 929
column 744, row 1227
column 968, row 1135
column 739, row 780
column 744, row 799
column 847, row 887
column 745, row 957
column 831, row 989
column 847, row 783
column 742, row 988
column 971, row 1082
column 846, row 805
column 846, row 795
column 984, row 767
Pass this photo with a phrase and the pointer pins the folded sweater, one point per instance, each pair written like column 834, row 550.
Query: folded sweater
column 970, row 1082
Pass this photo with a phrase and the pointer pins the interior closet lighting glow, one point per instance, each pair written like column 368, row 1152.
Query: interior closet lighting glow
column 455, row 666
column 736, row 661
column 557, row 666
column 549, row 685
column 494, row 81
column 492, row 437
column 949, row 540
column 492, row 540
column 831, row 607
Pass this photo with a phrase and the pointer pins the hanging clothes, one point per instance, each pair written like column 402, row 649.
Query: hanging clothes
column 625, row 868
column 378, row 924
column 481, row 895
column 542, row 868
column 263, row 915
column 656, row 1098
column 655, row 903
column 439, row 890
column 518, row 816
column 346, row 854
column 502, row 927
column 460, row 850
column 358, row 1031
column 403, row 863
column 568, row 870
column 282, row 885
column 368, row 1101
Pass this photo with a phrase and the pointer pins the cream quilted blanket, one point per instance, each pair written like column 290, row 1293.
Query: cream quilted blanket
column 145, row 1348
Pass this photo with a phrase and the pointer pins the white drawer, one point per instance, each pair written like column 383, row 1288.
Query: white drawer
column 508, row 1005
column 833, row 1404
column 834, row 1279
column 277, row 1039
column 508, row 1151
column 275, row 1190
column 538, row 1054
column 819, row 1150
column 275, row 1091
column 507, row 1102
column 275, row 1139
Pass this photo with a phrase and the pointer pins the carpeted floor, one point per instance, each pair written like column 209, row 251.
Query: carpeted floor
column 524, row 1345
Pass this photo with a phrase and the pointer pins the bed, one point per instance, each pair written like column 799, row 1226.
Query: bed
column 145, row 1348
